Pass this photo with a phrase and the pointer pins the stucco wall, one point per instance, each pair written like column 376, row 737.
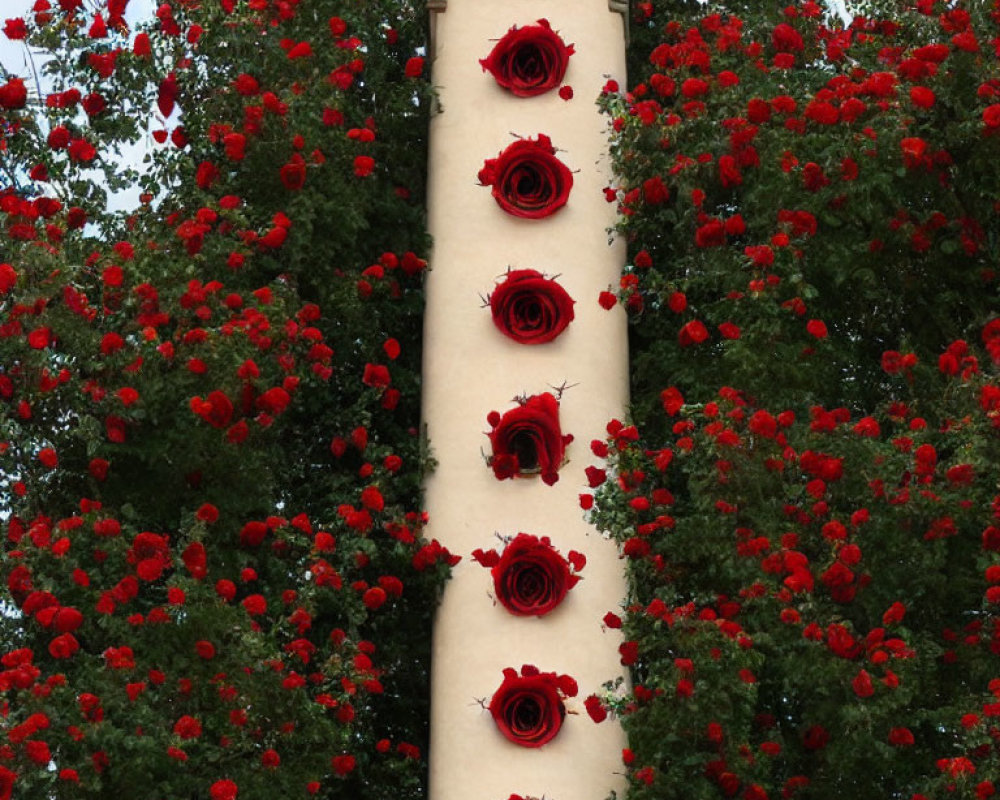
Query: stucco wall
column 471, row 369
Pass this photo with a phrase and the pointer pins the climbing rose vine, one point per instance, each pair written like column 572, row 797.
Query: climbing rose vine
column 812, row 548
column 215, row 582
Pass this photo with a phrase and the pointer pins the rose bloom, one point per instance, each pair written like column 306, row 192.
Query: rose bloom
column 255, row 604
column 528, row 61
column 13, row 94
column 528, row 180
column 7, row 778
column 901, row 737
column 785, row 38
column 414, row 67
column 817, row 328
column 528, row 708
column 188, row 727
column 693, row 332
column 343, row 764
column 528, row 439
column 224, row 790
column 531, row 578
column 530, row 308
column 363, row 166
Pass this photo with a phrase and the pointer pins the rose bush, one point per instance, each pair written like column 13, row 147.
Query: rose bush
column 528, row 180
column 528, row 440
column 812, row 548
column 530, row 577
column 528, row 708
column 530, row 308
column 809, row 535
column 795, row 212
column 214, row 578
column 528, row 61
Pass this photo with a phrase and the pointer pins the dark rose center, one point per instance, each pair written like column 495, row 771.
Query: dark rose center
column 530, row 313
column 527, row 715
column 531, row 584
column 528, row 64
column 527, row 181
column 523, row 445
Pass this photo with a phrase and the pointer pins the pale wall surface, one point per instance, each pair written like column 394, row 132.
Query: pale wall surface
column 471, row 369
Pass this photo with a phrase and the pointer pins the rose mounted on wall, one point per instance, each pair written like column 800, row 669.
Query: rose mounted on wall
column 530, row 577
column 528, row 440
column 530, row 308
column 528, row 180
column 528, row 708
column 529, row 61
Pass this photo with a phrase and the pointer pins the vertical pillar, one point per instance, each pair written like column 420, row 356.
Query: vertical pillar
column 471, row 369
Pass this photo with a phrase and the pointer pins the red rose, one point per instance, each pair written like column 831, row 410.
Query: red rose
column 67, row 619
column 991, row 116
column 363, row 166
column 531, row 578
column 530, row 308
column 528, row 708
column 693, row 332
column 528, row 180
column 528, row 439
column 862, row 684
column 224, row 790
column 141, row 46
column 595, row 708
column 15, row 29
column 414, row 67
column 786, row 39
column 815, row 738
column 817, row 328
column 343, row 764
column 63, row 646
column 188, row 727
column 8, row 278
column 13, row 94
column 293, row 174
column 528, row 61
column 7, row 779
column 901, row 737
column 216, row 409
column 255, row 604
column 711, row 234
column 376, row 375
column 922, row 97
column 246, row 85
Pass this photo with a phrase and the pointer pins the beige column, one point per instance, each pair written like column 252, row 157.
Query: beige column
column 471, row 369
